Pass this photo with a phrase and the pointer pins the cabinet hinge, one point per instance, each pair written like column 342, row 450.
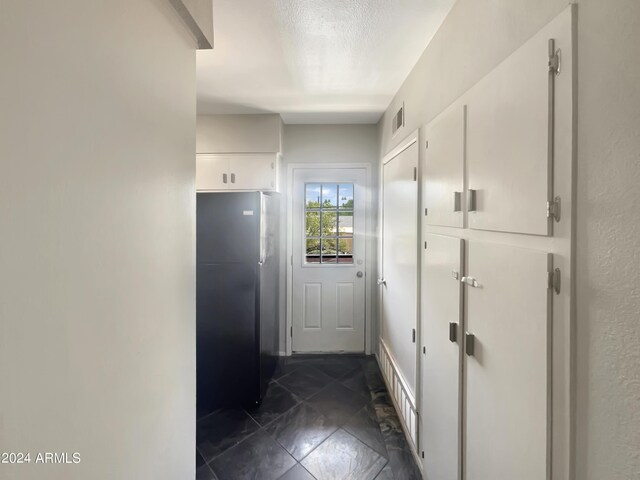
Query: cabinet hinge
column 554, row 280
column 413, row 335
column 415, row 173
column 425, row 245
column 422, row 454
column 291, row 333
column 554, row 57
column 553, row 209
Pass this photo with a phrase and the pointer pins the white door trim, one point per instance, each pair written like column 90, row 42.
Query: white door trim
column 368, row 246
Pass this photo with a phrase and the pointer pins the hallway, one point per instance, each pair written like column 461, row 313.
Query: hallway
column 324, row 417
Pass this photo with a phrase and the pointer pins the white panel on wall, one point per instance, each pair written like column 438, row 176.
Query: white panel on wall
column 444, row 168
column 345, row 300
column 507, row 137
column 403, row 400
column 508, row 374
column 312, row 305
column 441, row 336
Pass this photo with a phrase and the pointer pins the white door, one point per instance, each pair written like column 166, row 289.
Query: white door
column 212, row 172
column 507, row 374
column 399, row 287
column 441, row 334
column 252, row 172
column 509, row 166
column 444, row 168
column 329, row 259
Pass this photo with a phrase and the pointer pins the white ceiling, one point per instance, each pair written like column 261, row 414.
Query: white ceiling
column 313, row 61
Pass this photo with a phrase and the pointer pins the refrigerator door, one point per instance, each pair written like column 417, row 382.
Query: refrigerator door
column 227, row 296
column 227, row 226
column 269, row 287
column 225, row 334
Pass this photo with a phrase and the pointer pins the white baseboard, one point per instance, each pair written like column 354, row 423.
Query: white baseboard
column 403, row 401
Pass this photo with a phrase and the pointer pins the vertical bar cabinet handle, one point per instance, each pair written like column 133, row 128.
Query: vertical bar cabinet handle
column 472, row 201
column 453, row 332
column 457, row 201
column 469, row 344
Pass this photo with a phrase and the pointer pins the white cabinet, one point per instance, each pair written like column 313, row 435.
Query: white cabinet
column 243, row 172
column 441, row 339
column 212, row 172
column 500, row 336
column 510, row 135
column 444, row 168
column 508, row 369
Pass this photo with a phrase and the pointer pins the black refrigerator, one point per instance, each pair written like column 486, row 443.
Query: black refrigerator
column 237, row 296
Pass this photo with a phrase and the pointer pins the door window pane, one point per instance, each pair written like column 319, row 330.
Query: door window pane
column 345, row 224
column 345, row 196
column 313, row 192
column 329, row 196
column 313, row 250
column 329, row 223
column 345, row 250
column 329, row 220
column 329, row 250
column 312, row 224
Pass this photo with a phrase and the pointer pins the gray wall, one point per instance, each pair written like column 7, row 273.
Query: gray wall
column 474, row 38
column 321, row 144
column 97, row 215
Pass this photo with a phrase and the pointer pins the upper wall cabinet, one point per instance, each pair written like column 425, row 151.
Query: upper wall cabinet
column 444, row 168
column 245, row 172
column 510, row 134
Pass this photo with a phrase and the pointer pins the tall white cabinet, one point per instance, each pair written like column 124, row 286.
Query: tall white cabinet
column 496, row 314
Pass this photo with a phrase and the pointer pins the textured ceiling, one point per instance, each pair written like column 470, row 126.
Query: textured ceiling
column 313, row 61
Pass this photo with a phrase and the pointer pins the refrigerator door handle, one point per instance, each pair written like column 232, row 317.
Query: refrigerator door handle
column 263, row 230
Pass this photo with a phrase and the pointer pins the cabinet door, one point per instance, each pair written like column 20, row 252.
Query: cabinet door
column 252, row 172
column 444, row 168
column 508, row 372
column 508, row 120
column 212, row 172
column 441, row 334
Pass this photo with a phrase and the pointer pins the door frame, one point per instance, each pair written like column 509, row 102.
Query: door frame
column 369, row 239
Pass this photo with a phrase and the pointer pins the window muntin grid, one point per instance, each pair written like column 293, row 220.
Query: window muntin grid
column 328, row 216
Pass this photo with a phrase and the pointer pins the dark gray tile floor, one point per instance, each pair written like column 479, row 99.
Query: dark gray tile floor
column 324, row 417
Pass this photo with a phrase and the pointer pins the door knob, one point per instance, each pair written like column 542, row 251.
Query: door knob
column 359, row 274
column 382, row 281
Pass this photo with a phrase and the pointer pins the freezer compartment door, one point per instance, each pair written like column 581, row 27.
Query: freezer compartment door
column 227, row 227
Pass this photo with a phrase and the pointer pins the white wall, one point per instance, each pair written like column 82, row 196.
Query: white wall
column 474, row 38
column 318, row 144
column 97, row 215
column 260, row 133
